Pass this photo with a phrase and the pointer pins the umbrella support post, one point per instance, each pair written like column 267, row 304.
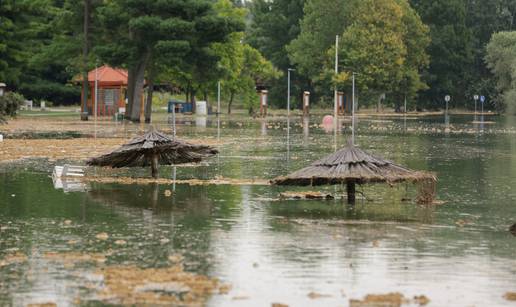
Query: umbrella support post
column 350, row 188
column 154, row 166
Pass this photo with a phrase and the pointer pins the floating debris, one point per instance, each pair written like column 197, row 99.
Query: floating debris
column 421, row 300
column 305, row 195
column 380, row 300
column 193, row 182
column 73, row 257
column 394, row 299
column 512, row 229
column 315, row 295
column 102, row 236
column 167, row 193
column 46, row 304
column 130, row 285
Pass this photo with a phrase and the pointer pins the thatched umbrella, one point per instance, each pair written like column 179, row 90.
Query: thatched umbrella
column 351, row 165
column 153, row 148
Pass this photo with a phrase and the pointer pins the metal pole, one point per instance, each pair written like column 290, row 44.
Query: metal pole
column 405, row 103
column 174, row 119
column 218, row 98
column 96, row 91
column 96, row 97
column 288, row 93
column 353, row 111
column 335, row 110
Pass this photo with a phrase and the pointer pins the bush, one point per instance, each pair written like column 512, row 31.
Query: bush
column 10, row 102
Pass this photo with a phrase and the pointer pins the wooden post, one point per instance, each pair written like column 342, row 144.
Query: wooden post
column 340, row 99
column 350, row 187
column 263, row 103
column 306, row 103
column 154, row 165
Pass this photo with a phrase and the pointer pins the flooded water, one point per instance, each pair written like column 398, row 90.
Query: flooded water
column 295, row 252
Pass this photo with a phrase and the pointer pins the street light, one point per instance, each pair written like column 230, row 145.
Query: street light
column 447, row 98
column 288, row 91
column 475, row 97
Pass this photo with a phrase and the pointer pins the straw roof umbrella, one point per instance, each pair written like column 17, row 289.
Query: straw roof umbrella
column 153, row 148
column 351, row 165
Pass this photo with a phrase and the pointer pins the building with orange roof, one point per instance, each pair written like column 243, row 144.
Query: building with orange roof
column 112, row 87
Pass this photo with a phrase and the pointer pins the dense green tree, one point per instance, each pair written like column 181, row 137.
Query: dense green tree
column 451, row 50
column 273, row 25
column 140, row 34
column 501, row 60
column 386, row 45
column 483, row 19
column 241, row 65
column 14, row 22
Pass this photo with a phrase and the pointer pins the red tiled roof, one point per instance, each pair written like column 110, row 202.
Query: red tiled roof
column 108, row 76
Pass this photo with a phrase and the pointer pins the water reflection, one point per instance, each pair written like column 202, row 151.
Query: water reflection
column 306, row 128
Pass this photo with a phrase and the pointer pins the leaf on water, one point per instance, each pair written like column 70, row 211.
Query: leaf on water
column 421, row 300
column 224, row 289
column 176, row 258
column 461, row 223
column 102, row 236
column 120, row 242
column 315, row 295
column 510, row 296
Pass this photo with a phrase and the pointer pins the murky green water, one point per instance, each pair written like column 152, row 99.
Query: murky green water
column 457, row 254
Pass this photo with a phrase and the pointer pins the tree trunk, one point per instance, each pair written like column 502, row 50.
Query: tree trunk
column 150, row 92
column 139, row 80
column 379, row 107
column 129, row 92
column 230, row 103
column 193, row 99
column 85, row 51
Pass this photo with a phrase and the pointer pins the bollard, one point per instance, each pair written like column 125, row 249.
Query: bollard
column 306, row 103
column 263, row 103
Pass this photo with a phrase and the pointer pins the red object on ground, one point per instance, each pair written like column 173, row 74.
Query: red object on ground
column 327, row 123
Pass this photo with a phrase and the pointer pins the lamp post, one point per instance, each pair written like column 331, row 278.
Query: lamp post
column 475, row 97
column 447, row 98
column 218, row 99
column 96, row 96
column 2, row 88
column 335, row 108
column 288, row 91
column 353, row 110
